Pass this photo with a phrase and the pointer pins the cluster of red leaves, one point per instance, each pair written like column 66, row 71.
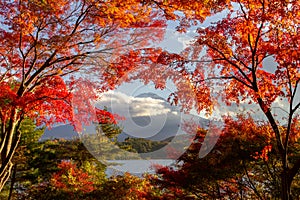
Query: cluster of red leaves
column 130, row 65
column 105, row 117
column 189, row 13
column 241, row 140
column 264, row 153
column 71, row 179
column 7, row 99
column 46, row 104
column 131, row 187
column 84, row 93
column 247, row 129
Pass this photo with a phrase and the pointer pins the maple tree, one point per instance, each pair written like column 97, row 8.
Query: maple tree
column 229, row 60
column 242, row 164
column 44, row 43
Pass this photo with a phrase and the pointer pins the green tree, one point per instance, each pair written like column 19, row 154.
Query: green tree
column 42, row 162
column 28, row 141
column 141, row 145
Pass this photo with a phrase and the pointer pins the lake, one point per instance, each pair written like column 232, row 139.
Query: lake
column 135, row 167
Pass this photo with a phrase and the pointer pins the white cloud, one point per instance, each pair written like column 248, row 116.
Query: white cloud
column 175, row 113
column 185, row 41
column 126, row 105
column 155, row 111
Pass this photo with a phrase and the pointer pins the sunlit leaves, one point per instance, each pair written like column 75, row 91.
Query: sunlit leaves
column 71, row 179
column 190, row 13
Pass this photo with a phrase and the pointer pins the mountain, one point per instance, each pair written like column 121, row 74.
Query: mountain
column 171, row 122
column 60, row 132
column 155, row 128
column 171, row 127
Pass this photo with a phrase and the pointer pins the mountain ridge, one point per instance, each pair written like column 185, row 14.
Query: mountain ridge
column 171, row 126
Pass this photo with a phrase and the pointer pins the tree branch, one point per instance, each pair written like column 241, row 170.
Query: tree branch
column 230, row 62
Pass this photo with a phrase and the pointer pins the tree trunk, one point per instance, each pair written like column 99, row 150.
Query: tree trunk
column 13, row 180
column 286, row 179
column 13, row 136
column 285, row 186
column 5, row 174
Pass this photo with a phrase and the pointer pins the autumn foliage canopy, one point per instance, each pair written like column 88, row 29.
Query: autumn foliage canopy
column 56, row 57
